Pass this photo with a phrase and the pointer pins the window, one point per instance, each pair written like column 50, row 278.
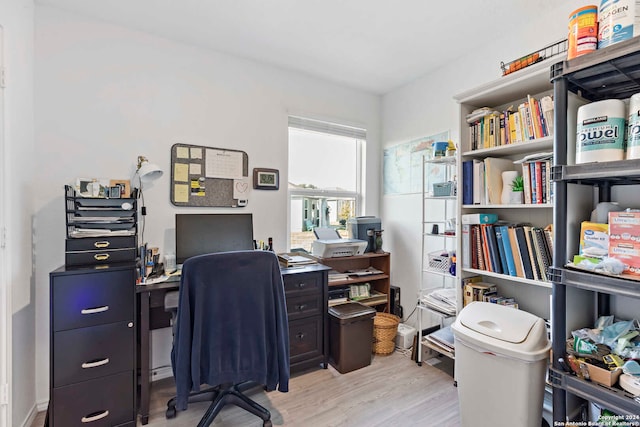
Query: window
column 325, row 171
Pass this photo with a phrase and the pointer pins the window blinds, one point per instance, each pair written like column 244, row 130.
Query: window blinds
column 326, row 127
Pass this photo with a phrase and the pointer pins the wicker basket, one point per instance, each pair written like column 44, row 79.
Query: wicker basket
column 385, row 328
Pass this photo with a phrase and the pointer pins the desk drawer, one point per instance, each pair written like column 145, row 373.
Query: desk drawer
column 299, row 283
column 88, row 353
column 304, row 305
column 92, row 298
column 305, row 338
column 99, row 256
column 103, row 402
column 100, row 243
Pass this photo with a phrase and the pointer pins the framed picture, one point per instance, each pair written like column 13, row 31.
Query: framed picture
column 266, row 179
column 92, row 187
column 125, row 187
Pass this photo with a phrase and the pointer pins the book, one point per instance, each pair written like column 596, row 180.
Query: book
column 538, row 172
column 485, row 248
column 533, row 258
column 479, row 218
column 494, row 255
column 517, row 260
column 467, row 182
column 508, row 251
column 478, row 182
column 466, row 246
column 493, row 168
column 539, row 255
column 546, row 105
column 497, row 229
column 526, row 178
column 521, row 243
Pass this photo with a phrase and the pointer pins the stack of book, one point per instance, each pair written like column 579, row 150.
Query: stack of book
column 294, row 260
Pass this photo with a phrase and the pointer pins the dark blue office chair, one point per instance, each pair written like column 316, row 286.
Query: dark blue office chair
column 230, row 332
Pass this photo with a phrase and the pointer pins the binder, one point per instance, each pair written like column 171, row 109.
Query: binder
column 524, row 252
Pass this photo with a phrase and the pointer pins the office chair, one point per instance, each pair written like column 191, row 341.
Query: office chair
column 230, row 332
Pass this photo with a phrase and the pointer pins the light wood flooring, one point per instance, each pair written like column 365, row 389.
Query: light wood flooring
column 392, row 391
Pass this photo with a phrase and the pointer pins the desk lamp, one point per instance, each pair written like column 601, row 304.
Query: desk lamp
column 146, row 172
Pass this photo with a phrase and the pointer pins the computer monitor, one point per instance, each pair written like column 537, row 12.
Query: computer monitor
column 198, row 234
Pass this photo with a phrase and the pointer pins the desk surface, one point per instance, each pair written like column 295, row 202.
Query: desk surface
column 173, row 282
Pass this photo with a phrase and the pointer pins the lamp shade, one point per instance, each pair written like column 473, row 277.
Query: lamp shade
column 148, row 171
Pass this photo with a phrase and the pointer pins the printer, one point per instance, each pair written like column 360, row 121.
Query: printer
column 329, row 244
column 331, row 248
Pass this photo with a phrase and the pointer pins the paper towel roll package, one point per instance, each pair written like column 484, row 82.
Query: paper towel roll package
column 601, row 131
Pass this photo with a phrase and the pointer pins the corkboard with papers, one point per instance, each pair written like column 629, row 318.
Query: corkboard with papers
column 209, row 177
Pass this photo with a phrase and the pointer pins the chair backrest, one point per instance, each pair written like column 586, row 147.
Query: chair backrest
column 231, row 324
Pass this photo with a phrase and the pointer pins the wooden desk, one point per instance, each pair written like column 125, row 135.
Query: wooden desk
column 306, row 292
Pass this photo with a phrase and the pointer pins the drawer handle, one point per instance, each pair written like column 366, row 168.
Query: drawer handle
column 301, row 285
column 94, row 310
column 103, row 244
column 300, row 336
column 87, row 365
column 98, row 416
column 301, row 307
column 101, row 257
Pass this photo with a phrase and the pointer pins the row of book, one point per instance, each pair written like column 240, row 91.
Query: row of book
column 532, row 119
column 537, row 182
column 482, row 180
column 518, row 250
column 474, row 289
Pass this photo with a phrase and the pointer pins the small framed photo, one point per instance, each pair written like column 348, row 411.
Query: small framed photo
column 92, row 187
column 266, row 179
column 115, row 192
column 125, row 187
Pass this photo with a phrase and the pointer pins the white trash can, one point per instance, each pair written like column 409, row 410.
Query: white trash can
column 500, row 365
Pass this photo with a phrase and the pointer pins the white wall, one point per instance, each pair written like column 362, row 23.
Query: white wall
column 426, row 107
column 105, row 94
column 16, row 17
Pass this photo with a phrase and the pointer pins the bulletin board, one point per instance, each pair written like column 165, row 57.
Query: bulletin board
column 208, row 176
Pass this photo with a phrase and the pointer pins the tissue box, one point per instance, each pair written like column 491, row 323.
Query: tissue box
column 624, row 239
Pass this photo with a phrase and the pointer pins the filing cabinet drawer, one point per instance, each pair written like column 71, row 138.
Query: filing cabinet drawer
column 304, row 305
column 298, row 283
column 100, row 243
column 99, row 257
column 92, row 298
column 88, row 353
column 102, row 402
column 305, row 338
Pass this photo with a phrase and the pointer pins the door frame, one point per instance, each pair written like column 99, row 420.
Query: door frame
column 5, row 293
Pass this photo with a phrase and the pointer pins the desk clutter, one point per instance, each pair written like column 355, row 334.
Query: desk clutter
column 101, row 229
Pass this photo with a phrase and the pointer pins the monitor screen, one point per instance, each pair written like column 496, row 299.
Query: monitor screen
column 198, row 234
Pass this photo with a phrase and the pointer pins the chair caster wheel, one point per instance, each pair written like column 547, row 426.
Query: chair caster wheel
column 171, row 413
column 419, row 363
column 267, row 423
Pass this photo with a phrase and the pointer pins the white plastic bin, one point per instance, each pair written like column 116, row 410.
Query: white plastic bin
column 500, row 365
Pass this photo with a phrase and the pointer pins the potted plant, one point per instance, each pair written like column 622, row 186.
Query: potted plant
column 512, row 188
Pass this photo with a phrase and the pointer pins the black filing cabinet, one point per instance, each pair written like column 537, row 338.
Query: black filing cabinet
column 92, row 346
column 306, row 294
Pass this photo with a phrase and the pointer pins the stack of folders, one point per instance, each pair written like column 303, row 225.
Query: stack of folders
column 442, row 300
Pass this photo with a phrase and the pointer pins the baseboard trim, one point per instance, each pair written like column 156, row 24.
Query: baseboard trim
column 31, row 416
column 161, row 373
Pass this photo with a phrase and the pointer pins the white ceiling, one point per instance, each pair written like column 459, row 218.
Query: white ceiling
column 373, row 45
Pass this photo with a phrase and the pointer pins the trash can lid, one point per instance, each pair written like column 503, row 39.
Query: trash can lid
column 351, row 310
column 503, row 330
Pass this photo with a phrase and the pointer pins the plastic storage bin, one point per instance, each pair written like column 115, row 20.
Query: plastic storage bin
column 351, row 336
column 500, row 365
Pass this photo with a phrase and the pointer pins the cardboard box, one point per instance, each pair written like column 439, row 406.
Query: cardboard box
column 603, row 376
column 476, row 291
column 624, row 239
column 594, row 239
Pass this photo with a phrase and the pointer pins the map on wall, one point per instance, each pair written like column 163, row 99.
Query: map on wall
column 402, row 164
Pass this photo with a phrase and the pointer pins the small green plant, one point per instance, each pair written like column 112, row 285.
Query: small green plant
column 518, row 183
